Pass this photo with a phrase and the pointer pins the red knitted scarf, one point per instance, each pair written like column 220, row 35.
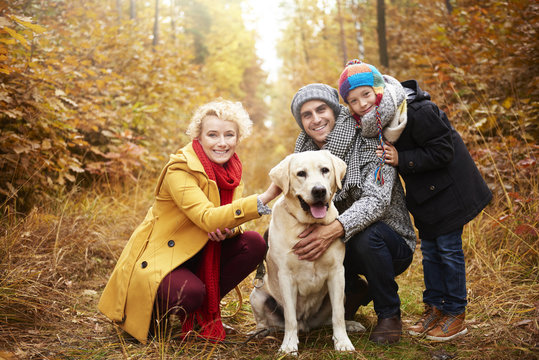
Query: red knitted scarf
column 208, row 316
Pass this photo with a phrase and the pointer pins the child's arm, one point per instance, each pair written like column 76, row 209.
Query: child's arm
column 432, row 146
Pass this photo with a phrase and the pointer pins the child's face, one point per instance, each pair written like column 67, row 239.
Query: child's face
column 362, row 99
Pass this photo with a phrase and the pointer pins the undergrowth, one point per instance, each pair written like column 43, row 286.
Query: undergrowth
column 56, row 260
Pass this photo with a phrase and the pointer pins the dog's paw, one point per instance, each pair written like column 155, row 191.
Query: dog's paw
column 289, row 345
column 288, row 350
column 354, row 326
column 343, row 344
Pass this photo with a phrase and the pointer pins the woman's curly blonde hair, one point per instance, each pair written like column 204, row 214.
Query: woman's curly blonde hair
column 225, row 110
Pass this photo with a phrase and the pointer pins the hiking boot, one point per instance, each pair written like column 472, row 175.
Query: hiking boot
column 448, row 327
column 428, row 320
column 387, row 331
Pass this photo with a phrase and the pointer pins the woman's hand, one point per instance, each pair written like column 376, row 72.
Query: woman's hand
column 392, row 155
column 217, row 235
column 316, row 239
column 271, row 193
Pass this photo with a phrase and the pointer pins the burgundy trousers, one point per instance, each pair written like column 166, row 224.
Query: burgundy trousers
column 181, row 292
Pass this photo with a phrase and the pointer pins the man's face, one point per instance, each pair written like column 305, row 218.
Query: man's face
column 318, row 120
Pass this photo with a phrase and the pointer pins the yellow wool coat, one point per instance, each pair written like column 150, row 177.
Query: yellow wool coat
column 176, row 227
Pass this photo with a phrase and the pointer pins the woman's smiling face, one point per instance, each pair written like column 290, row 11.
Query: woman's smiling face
column 218, row 138
column 318, row 120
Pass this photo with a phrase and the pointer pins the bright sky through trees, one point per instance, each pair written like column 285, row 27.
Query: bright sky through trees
column 266, row 18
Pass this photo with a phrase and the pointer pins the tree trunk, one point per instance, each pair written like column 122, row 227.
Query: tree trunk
column 156, row 25
column 173, row 20
column 119, row 9
column 382, row 40
column 449, row 6
column 302, row 32
column 359, row 36
column 343, row 37
column 132, row 10
column 359, row 40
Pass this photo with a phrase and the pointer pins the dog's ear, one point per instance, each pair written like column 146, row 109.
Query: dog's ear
column 280, row 174
column 340, row 169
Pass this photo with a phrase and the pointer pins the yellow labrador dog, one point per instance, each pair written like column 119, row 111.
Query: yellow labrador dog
column 299, row 295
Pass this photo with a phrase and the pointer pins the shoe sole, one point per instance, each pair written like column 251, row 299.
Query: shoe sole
column 446, row 338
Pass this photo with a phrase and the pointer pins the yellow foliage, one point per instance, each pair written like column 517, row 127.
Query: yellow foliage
column 16, row 36
column 36, row 28
column 95, row 95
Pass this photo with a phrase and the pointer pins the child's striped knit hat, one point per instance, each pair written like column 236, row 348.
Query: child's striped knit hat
column 356, row 74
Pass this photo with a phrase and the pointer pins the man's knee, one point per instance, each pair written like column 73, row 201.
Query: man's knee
column 367, row 241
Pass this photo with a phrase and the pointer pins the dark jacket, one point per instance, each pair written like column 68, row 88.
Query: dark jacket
column 444, row 189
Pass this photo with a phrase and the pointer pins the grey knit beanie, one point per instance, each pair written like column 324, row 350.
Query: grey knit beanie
column 315, row 91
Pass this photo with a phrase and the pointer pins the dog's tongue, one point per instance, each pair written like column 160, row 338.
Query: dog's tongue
column 318, row 211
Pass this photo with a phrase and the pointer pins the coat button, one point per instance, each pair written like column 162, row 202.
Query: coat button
column 143, row 264
column 432, row 187
column 238, row 212
column 171, row 243
column 411, row 164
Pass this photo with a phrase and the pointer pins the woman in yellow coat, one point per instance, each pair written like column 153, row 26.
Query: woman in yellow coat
column 189, row 252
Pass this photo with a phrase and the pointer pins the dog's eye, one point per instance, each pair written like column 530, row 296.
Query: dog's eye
column 324, row 170
column 302, row 173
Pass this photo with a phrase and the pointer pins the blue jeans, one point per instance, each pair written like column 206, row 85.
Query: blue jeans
column 380, row 254
column 444, row 272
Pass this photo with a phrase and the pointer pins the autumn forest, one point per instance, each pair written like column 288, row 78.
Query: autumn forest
column 95, row 95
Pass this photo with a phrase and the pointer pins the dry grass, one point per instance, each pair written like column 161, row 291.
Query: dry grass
column 55, row 261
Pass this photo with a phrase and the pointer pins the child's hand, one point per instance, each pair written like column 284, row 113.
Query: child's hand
column 392, row 155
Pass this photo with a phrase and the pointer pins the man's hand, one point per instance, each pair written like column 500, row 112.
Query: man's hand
column 316, row 239
column 392, row 155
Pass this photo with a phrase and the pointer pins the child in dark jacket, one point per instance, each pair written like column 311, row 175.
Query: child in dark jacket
column 444, row 191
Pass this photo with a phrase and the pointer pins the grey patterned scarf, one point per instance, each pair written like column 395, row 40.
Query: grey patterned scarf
column 342, row 142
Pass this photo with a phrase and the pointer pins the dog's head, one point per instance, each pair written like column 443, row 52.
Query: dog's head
column 311, row 178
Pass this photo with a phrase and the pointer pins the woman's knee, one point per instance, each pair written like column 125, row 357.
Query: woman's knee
column 256, row 246
column 181, row 289
column 192, row 296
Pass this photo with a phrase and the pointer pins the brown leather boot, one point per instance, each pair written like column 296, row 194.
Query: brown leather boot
column 354, row 300
column 387, row 331
column 428, row 320
column 448, row 327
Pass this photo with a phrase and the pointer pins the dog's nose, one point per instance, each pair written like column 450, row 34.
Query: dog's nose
column 319, row 193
